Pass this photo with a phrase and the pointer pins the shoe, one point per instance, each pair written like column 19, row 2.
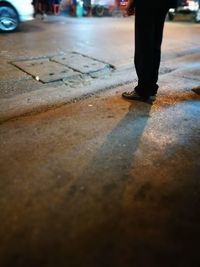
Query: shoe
column 133, row 95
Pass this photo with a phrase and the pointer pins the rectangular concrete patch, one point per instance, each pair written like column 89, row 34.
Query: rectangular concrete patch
column 81, row 63
column 45, row 70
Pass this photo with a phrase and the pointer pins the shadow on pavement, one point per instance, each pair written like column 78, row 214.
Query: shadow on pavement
column 97, row 234
column 117, row 214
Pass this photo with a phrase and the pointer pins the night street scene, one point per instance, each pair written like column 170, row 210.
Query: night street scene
column 89, row 176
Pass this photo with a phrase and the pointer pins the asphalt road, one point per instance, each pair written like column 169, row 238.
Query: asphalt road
column 100, row 181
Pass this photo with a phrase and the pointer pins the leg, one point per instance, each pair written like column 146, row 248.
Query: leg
column 149, row 25
column 158, row 36
column 144, row 48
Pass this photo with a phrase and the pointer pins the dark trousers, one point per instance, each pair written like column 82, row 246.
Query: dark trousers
column 149, row 24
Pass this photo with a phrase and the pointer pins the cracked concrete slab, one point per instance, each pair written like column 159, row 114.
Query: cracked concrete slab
column 45, row 70
column 81, row 63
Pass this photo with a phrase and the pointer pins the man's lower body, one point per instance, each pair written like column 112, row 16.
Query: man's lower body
column 40, row 7
column 149, row 24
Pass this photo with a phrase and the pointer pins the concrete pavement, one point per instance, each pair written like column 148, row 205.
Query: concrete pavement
column 104, row 182
column 57, row 94
column 26, row 87
column 101, row 181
